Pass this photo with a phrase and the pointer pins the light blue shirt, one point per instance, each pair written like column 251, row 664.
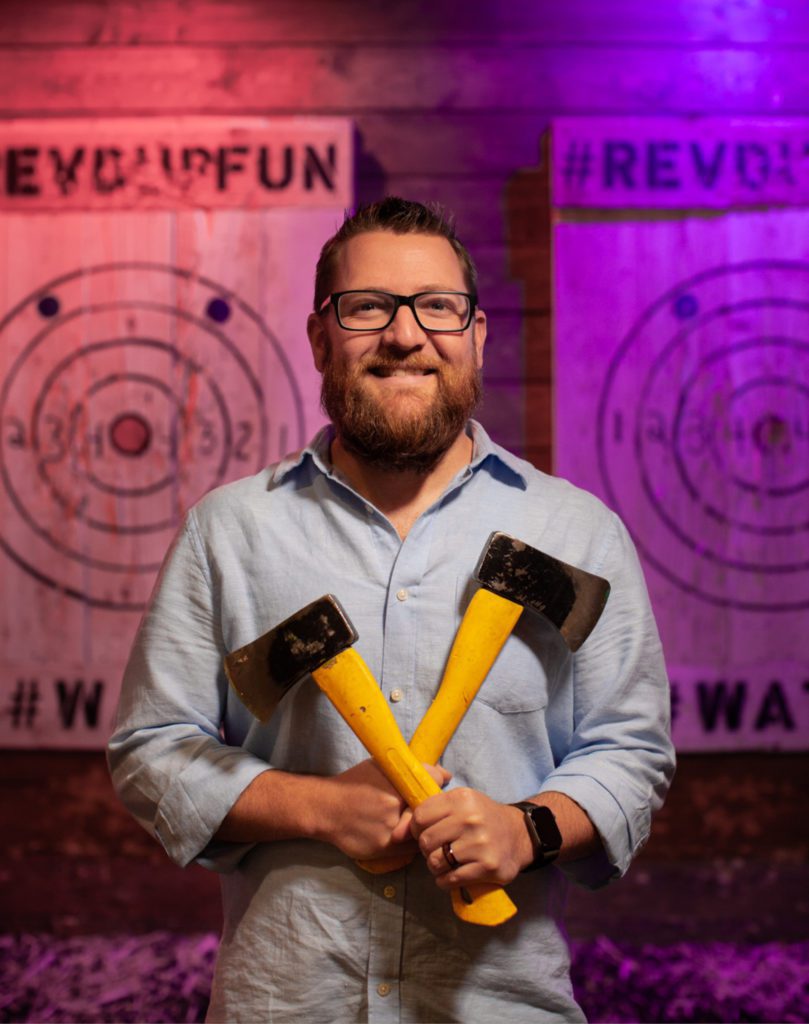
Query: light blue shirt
column 309, row 936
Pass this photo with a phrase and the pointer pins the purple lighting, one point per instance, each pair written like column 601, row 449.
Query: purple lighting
column 96, row 978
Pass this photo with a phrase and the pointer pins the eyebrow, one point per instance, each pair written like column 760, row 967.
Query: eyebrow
column 424, row 288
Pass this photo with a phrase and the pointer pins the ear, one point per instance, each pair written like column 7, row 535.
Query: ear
column 316, row 331
column 479, row 336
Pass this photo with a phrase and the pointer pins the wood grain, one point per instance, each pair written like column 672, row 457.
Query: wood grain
column 353, row 79
column 136, row 22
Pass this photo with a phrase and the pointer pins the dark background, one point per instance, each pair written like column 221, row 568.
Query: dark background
column 727, row 860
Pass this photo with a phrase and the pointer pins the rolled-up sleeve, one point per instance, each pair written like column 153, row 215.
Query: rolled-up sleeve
column 167, row 760
column 620, row 760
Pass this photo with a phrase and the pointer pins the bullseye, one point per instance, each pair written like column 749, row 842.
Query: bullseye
column 771, row 433
column 704, row 435
column 130, row 434
column 131, row 390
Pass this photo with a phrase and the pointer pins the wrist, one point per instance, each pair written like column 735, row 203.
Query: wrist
column 523, row 848
column 321, row 814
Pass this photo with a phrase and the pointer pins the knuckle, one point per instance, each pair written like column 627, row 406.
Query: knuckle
column 490, row 862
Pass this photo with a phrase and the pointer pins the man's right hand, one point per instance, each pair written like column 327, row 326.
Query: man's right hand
column 365, row 817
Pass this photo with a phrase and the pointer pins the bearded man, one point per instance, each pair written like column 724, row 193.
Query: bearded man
column 389, row 508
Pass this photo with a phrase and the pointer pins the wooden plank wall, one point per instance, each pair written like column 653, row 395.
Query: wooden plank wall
column 451, row 100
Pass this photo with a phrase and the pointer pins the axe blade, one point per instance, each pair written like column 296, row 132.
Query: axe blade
column 264, row 670
column 570, row 598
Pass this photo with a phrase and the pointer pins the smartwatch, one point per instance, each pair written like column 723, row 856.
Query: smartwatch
column 546, row 838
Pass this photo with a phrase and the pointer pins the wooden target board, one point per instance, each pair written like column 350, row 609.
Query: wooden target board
column 147, row 355
column 682, row 398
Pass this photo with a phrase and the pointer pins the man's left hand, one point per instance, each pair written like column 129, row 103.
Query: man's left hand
column 488, row 839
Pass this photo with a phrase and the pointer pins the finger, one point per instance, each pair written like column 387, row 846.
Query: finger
column 402, row 832
column 439, row 773
column 449, row 856
column 432, row 810
column 444, row 857
column 432, row 839
column 456, row 877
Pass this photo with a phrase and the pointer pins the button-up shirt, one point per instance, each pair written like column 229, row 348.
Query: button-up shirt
column 308, row 935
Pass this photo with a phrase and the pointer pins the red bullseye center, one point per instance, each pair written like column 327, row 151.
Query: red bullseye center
column 130, row 434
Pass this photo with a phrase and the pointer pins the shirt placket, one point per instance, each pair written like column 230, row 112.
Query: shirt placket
column 386, row 937
column 397, row 683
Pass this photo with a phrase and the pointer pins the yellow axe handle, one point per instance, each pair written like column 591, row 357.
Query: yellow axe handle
column 350, row 686
column 485, row 627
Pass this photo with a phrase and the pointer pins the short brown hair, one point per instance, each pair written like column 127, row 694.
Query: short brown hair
column 402, row 216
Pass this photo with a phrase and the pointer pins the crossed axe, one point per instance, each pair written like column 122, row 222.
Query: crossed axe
column 318, row 640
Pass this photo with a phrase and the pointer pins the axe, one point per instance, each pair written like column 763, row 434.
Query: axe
column 512, row 576
column 318, row 640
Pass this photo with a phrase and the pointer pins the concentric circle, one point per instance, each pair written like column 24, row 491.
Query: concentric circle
column 703, row 435
column 130, row 390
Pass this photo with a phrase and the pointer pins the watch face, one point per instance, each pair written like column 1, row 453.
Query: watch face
column 547, row 831
column 546, row 838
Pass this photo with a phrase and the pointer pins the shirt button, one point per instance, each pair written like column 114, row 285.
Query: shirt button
column 389, row 892
column 396, row 695
column 402, row 595
column 383, row 989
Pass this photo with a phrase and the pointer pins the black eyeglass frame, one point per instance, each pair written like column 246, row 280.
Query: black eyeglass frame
column 398, row 302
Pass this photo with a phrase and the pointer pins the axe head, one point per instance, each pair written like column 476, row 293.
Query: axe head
column 570, row 598
column 262, row 671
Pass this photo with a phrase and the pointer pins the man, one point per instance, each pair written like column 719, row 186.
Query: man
column 389, row 509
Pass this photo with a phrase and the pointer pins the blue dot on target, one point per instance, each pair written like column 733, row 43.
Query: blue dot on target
column 48, row 306
column 685, row 306
column 218, row 310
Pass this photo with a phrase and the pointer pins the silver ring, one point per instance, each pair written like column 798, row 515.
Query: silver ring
column 450, row 857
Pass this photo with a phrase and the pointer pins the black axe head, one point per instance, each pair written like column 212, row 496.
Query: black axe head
column 262, row 671
column 570, row 598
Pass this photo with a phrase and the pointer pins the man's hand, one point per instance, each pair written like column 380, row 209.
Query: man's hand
column 489, row 840
column 364, row 816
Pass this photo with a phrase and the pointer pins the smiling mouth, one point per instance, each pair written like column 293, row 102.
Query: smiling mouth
column 402, row 371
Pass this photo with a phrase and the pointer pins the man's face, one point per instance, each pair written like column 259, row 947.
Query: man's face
column 398, row 397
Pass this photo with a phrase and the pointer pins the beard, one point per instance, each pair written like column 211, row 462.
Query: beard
column 406, row 434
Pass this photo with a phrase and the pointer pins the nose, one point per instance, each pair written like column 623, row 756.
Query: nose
column 404, row 331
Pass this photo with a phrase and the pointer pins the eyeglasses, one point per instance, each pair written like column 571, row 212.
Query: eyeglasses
column 357, row 310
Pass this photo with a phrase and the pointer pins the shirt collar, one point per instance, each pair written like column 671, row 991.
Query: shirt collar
column 317, row 450
column 485, row 454
column 485, row 449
